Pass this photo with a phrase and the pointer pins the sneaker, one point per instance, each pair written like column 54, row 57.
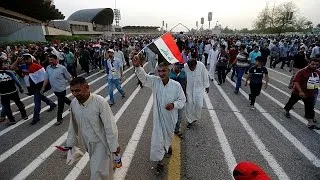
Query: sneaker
column 52, row 108
column 123, row 95
column 10, row 123
column 287, row 114
column 34, row 121
column 111, row 104
column 252, row 107
column 311, row 127
column 58, row 123
column 25, row 117
column 169, row 151
column 2, row 119
column 236, row 92
column 178, row 133
column 159, row 168
column 189, row 125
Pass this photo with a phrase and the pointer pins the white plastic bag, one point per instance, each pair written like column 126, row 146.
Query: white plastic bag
column 74, row 155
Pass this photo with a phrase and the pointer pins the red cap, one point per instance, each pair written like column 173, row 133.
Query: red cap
column 249, row 171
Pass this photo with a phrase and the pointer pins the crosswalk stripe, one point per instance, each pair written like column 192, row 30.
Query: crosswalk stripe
column 255, row 138
column 288, row 95
column 6, row 130
column 128, row 154
column 75, row 172
column 224, row 143
column 28, row 97
column 51, row 95
column 22, row 143
column 305, row 151
column 40, row 159
column 279, row 72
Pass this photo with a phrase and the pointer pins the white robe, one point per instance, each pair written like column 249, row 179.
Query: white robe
column 197, row 82
column 213, row 59
column 152, row 59
column 164, row 121
column 93, row 124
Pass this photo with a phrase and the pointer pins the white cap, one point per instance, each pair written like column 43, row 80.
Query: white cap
column 111, row 50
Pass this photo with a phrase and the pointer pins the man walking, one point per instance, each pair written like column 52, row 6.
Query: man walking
column 58, row 76
column 8, row 92
column 177, row 73
column 306, row 82
column 168, row 97
column 115, row 75
column 198, row 81
column 36, row 79
column 92, row 121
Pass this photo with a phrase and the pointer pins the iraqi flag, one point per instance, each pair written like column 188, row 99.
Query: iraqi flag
column 166, row 49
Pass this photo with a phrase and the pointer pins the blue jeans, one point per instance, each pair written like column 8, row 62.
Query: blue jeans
column 37, row 98
column 178, row 125
column 117, row 84
column 239, row 71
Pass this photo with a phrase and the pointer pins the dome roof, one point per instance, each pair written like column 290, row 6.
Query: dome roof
column 103, row 16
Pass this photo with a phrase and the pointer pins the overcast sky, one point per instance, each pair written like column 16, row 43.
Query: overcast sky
column 233, row 13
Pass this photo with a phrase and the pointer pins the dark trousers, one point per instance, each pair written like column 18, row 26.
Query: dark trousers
column 308, row 105
column 273, row 59
column 61, row 100
column 221, row 73
column 5, row 101
column 37, row 98
column 72, row 70
column 255, row 89
column 281, row 59
column 127, row 60
column 206, row 59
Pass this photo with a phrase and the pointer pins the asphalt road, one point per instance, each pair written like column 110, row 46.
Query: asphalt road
column 229, row 132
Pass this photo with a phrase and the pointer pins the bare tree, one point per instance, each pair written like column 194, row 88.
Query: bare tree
column 279, row 18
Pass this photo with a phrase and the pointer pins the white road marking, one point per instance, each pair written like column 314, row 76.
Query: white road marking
column 22, row 143
column 40, row 159
column 42, row 110
column 257, row 141
column 226, row 148
column 279, row 72
column 305, row 151
column 28, row 97
column 287, row 94
column 128, row 154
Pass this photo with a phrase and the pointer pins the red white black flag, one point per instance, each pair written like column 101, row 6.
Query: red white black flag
column 166, row 49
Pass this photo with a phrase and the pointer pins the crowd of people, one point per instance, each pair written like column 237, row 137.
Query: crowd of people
column 178, row 90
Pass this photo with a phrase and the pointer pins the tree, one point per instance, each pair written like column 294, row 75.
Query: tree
column 318, row 26
column 280, row 18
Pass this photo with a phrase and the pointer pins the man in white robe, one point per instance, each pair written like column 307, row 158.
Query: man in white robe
column 152, row 59
column 213, row 58
column 93, row 125
column 197, row 83
column 168, row 97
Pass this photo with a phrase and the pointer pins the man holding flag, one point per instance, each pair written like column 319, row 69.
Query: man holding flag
column 168, row 97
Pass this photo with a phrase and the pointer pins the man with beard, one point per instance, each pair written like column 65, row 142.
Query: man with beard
column 197, row 82
column 168, row 97
column 92, row 123
column 306, row 82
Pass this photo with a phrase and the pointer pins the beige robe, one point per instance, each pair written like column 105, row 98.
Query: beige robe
column 94, row 125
